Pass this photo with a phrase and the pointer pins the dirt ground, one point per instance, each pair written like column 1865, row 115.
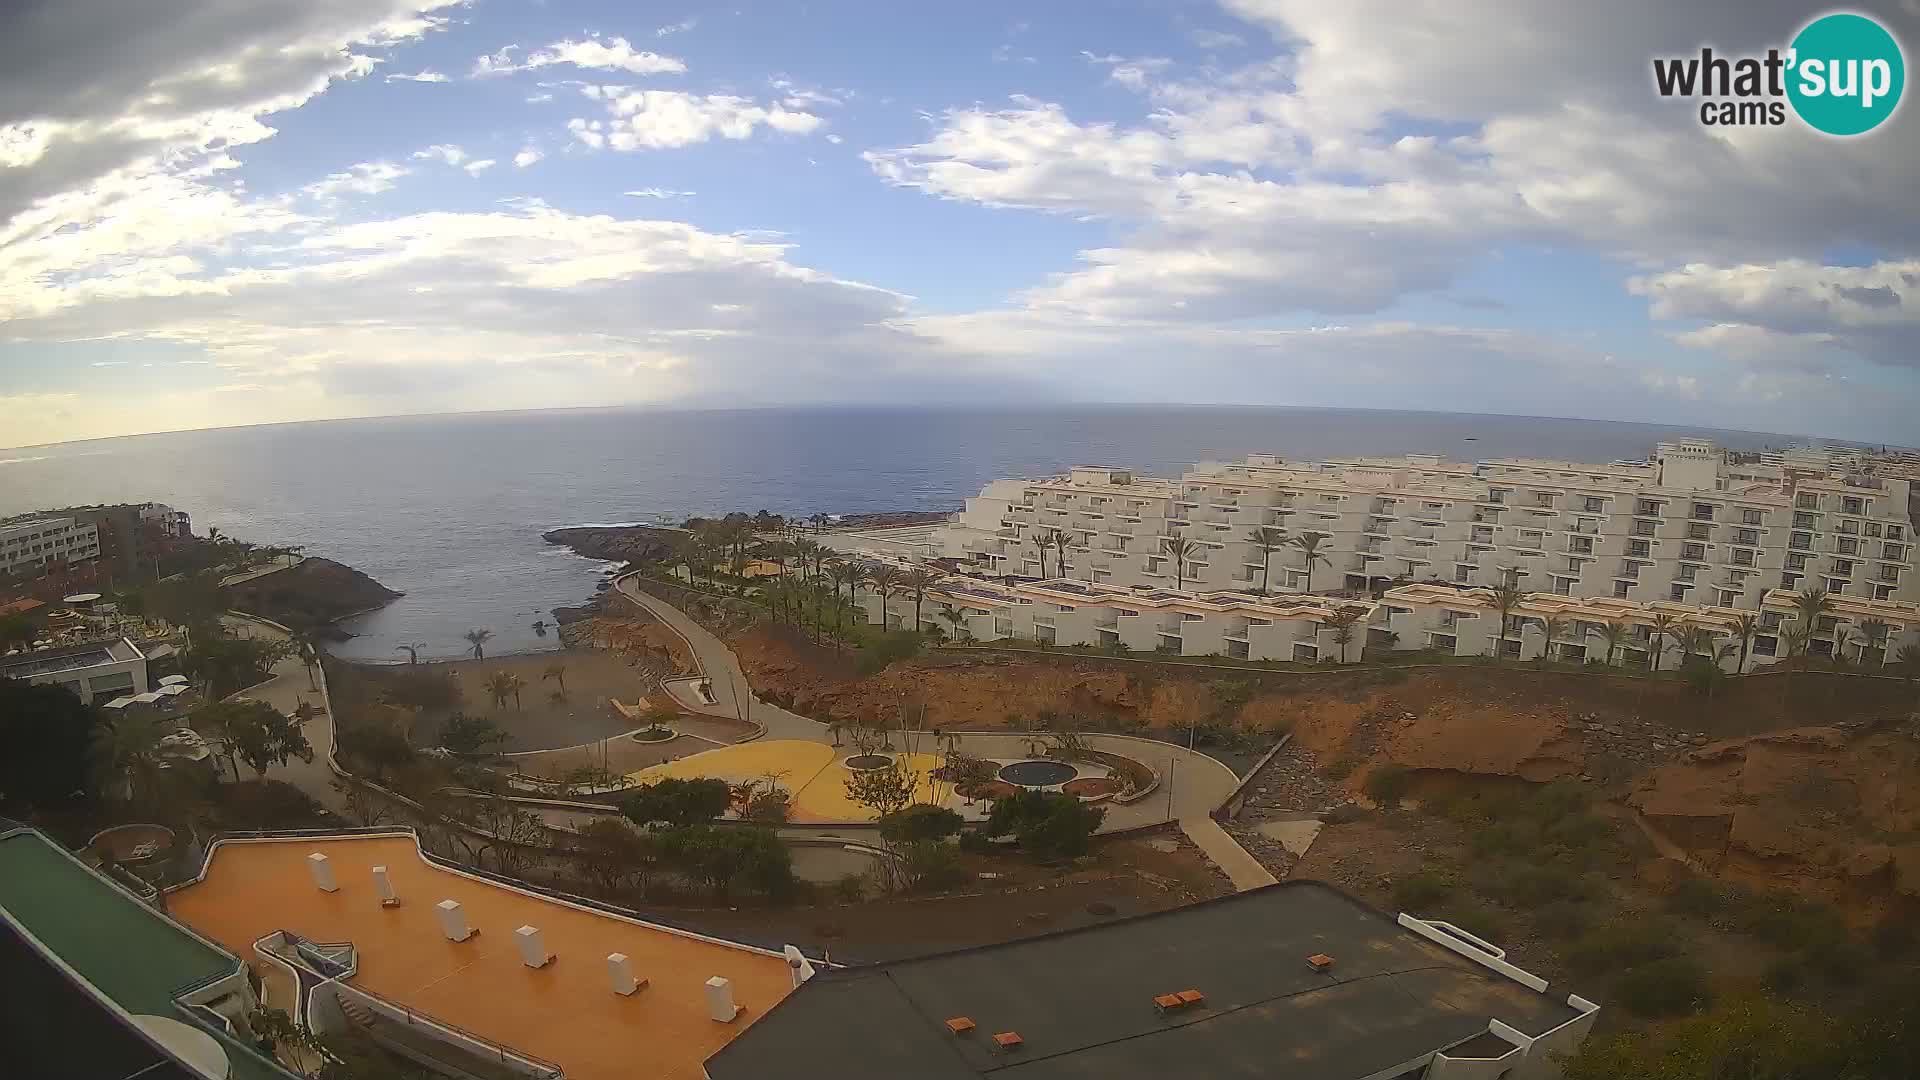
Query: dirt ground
column 621, row 754
column 539, row 722
column 1128, row 876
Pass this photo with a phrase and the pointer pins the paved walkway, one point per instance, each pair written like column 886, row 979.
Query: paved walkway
column 285, row 691
column 1220, row 849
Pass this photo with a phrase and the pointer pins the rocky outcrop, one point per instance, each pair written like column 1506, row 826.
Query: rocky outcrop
column 313, row 592
column 617, row 543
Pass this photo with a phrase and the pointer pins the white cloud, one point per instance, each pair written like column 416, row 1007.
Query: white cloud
column 658, row 193
column 660, row 119
column 593, row 52
column 446, row 153
column 1795, row 311
column 540, row 98
column 1215, row 39
column 475, row 168
column 527, row 156
column 419, row 77
column 366, row 178
column 680, row 27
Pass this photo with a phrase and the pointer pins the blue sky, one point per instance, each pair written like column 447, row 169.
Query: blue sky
column 233, row 213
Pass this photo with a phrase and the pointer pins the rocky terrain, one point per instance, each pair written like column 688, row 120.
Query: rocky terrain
column 618, row 543
column 314, row 592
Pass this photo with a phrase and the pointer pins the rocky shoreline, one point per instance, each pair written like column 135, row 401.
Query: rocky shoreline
column 630, row 543
column 314, row 592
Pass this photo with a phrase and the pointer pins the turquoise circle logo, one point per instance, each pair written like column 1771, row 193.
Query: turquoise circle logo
column 1846, row 74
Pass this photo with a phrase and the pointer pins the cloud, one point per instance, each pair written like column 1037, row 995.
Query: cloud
column 1795, row 310
column 592, row 52
column 680, row 27
column 658, row 193
column 527, row 156
column 475, row 168
column 1215, row 39
column 419, row 77
column 446, row 153
column 661, row 119
column 366, row 178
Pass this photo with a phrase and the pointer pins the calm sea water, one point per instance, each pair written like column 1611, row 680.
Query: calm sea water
column 449, row 509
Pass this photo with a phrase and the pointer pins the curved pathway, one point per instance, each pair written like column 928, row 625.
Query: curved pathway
column 288, row 688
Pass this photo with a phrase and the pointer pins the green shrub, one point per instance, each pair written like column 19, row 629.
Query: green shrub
column 1616, row 946
column 1563, row 920
column 1472, row 916
column 1047, row 824
column 1421, row 891
column 885, row 649
column 1388, row 784
column 1344, row 814
column 1782, row 921
column 1342, row 767
column 1697, row 897
column 1670, row 987
column 1527, row 885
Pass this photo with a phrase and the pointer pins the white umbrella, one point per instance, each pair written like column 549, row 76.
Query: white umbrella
column 173, row 680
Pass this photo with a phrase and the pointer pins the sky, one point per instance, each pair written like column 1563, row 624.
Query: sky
column 219, row 212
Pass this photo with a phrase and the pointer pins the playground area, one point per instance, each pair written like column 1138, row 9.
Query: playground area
column 816, row 774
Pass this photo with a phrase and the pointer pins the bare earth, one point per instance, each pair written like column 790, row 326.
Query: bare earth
column 539, row 723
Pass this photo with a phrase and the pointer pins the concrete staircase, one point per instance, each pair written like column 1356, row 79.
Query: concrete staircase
column 356, row 1012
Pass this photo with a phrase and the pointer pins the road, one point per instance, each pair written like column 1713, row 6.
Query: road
column 289, row 687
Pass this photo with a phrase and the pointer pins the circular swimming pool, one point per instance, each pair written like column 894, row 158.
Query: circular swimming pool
column 1038, row 774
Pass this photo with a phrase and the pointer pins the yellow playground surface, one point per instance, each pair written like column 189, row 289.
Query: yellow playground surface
column 810, row 770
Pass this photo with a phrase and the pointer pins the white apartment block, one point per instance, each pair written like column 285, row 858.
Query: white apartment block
column 1443, row 619
column 28, row 546
column 1692, row 525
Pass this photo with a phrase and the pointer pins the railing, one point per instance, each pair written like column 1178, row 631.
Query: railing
column 536, row 1066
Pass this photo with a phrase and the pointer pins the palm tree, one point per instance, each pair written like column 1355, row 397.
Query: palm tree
column 128, row 752
column 1554, row 626
column 1613, row 633
column 1695, row 641
column 1908, row 658
column 957, row 619
column 857, row 575
column 412, row 651
column 838, row 574
column 1343, row 621
column 500, row 687
column 919, row 581
column 1042, row 540
column 558, row 673
column 478, row 639
column 1506, row 597
column 1745, row 626
column 515, row 684
column 1182, row 550
column 306, row 645
column 1659, row 630
column 1871, row 634
column 1309, row 545
column 1267, row 539
column 1808, row 606
column 884, row 580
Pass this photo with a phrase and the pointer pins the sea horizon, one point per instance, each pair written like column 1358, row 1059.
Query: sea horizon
column 449, row 508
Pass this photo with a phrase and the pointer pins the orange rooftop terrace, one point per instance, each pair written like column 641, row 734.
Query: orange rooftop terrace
column 564, row 1012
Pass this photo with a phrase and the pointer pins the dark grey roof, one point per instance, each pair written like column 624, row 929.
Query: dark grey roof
column 1082, row 1001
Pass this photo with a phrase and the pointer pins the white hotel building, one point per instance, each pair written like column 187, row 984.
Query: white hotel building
column 1690, row 526
column 30, row 546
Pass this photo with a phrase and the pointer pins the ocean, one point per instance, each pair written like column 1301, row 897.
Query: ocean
column 449, row 509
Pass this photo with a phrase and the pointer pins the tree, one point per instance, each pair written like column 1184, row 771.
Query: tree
column 1046, row 824
column 1506, row 597
column 1183, row 551
column 1745, row 626
column 1613, row 634
column 502, row 685
column 277, row 1031
column 412, row 651
column 841, row 573
column 1552, row 627
column 306, row 646
column 227, row 664
column 857, row 576
column 478, row 639
column 1267, row 539
column 1695, row 641
column 1908, row 659
column 556, row 671
column 1343, row 621
column 723, row 859
column 676, row 802
column 1309, row 545
column 16, row 630
column 259, row 734
column 957, row 619
column 1871, row 635
column 885, row 580
column 886, row 790
column 916, row 844
column 126, row 755
column 47, row 734
column 918, row 582
column 1659, row 630
column 965, row 773
column 470, row 736
column 426, row 688
column 616, row 855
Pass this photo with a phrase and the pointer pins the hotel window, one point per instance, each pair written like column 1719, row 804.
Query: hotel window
column 1851, row 505
column 1703, row 511
column 1883, row 592
column 1788, row 581
column 1595, row 504
column 1835, row 584
column 1803, row 521
column 1800, row 540
column 1679, row 592
column 1639, row 549
column 1751, row 517
column 1583, row 545
column 1697, row 531
column 1843, row 567
column 1807, row 501
column 1693, row 551
column 1848, row 546
column 1620, row 589
column 1851, row 528
column 1888, row 572
column 1742, row 557
column 1644, row 528
column 1895, row 532
column 1746, row 536
column 1873, row 528
column 1688, row 573
column 1728, row 599
column 1828, row 624
column 1770, row 620
column 1647, row 507
column 1893, row 551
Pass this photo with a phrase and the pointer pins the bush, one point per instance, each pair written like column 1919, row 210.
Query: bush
column 1782, row 921
column 919, row 823
column 1420, row 891
column 1621, row 945
column 850, row 888
column 1342, row 767
column 930, row 864
column 677, row 802
column 1046, row 824
column 1472, row 916
column 886, row 648
column 1662, row 988
column 1344, row 814
column 1388, row 784
column 1697, row 897
column 1530, row 885
column 1563, row 920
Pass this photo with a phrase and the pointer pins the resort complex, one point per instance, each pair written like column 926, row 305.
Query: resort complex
column 1694, row 524
column 1271, row 560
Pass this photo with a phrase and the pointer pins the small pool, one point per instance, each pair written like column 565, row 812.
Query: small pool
column 1038, row 774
